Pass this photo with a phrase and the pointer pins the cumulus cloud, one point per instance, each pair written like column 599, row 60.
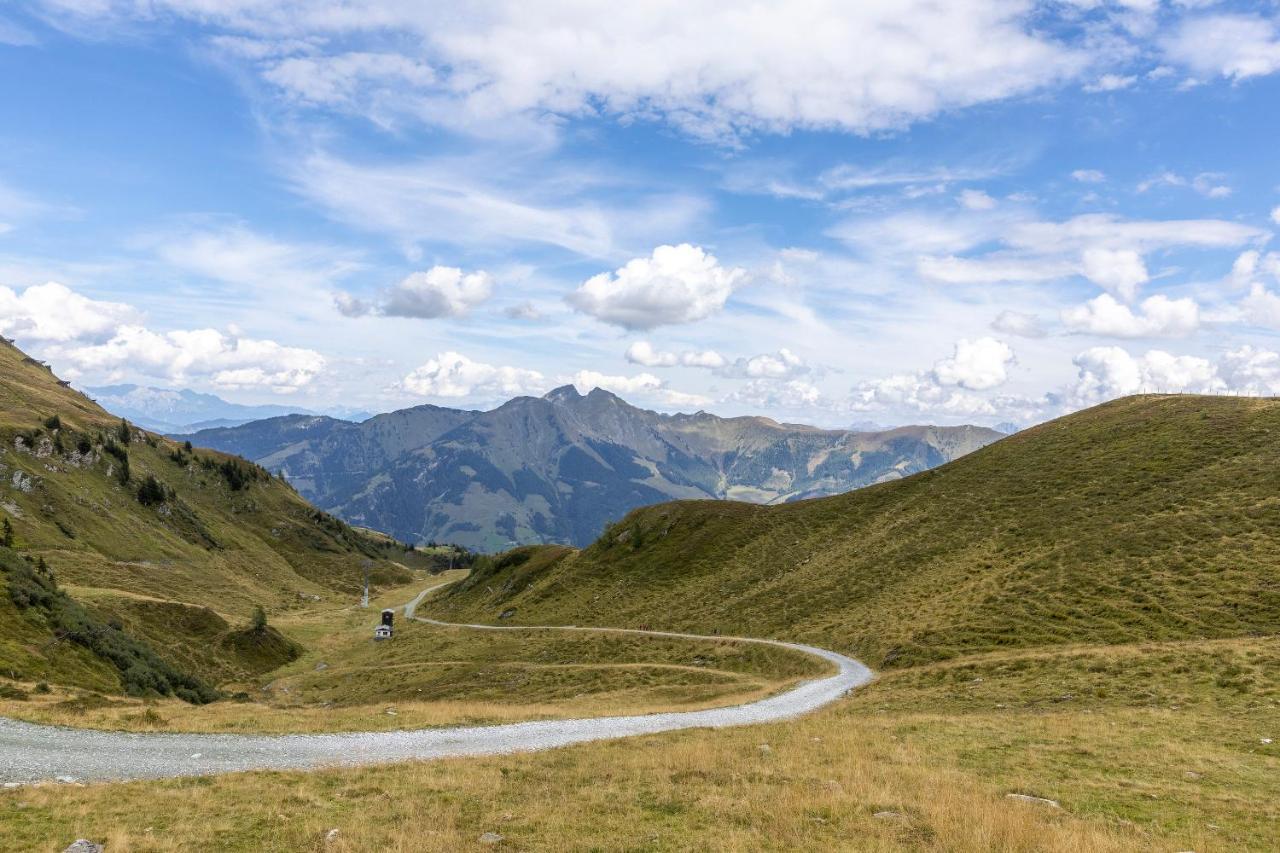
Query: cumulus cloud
column 1119, row 271
column 1108, row 372
column 438, row 292
column 54, row 313
column 676, row 284
column 643, row 354
column 1019, row 323
column 641, row 383
column 1275, row 214
column 784, row 364
column 228, row 361
column 1233, row 46
column 1157, row 316
column 766, row 394
column 976, row 365
column 451, row 374
column 1088, row 176
column 108, row 340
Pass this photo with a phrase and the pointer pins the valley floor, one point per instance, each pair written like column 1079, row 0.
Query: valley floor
column 432, row 676
column 1177, row 755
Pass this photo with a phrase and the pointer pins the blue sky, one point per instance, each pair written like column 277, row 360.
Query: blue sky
column 824, row 212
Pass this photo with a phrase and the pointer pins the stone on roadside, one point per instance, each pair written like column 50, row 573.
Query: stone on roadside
column 491, row 838
column 331, row 836
column 83, row 845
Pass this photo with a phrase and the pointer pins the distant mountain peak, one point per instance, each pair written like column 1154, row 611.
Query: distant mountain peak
column 563, row 394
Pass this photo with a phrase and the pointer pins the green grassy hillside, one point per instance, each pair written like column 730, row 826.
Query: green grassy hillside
column 1148, row 518
column 176, row 546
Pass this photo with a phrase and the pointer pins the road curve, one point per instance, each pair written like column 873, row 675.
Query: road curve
column 30, row 752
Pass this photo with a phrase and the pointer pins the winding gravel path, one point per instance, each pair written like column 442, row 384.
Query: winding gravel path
column 30, row 752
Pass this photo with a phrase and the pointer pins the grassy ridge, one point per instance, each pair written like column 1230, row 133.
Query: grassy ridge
column 125, row 516
column 1148, row 518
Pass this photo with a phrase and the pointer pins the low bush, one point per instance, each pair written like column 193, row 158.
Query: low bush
column 142, row 671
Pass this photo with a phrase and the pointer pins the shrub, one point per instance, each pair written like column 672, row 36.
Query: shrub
column 84, row 445
column 124, row 433
column 258, row 622
column 6, row 534
column 142, row 671
column 151, row 492
column 53, row 422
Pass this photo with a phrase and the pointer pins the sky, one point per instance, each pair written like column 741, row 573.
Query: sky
column 973, row 211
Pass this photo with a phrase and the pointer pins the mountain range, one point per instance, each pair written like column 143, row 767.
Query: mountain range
column 179, row 410
column 1147, row 518
column 559, row 468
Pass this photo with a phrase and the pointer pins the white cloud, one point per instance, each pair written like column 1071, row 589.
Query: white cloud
column 523, row 311
column 438, row 292
column 229, row 361
column 1103, row 230
column 1108, row 372
column 237, row 255
column 1234, row 46
column 1111, row 83
column 1119, row 271
column 709, row 359
column 976, row 200
column 976, row 365
column 643, row 354
column 1251, row 370
column 346, row 79
column 766, row 394
column 1275, row 214
column 994, row 268
column 53, row 313
column 713, row 69
column 1088, row 176
column 784, row 364
column 489, row 199
column 676, row 284
column 1208, row 184
column 107, row 340
column 1019, row 323
column 1158, row 316
column 451, row 374
column 350, row 306
column 641, row 383
column 1261, row 307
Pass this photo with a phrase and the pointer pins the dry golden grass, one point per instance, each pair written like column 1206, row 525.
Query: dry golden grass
column 819, row 786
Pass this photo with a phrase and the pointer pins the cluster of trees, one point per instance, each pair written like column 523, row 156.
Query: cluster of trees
column 142, row 672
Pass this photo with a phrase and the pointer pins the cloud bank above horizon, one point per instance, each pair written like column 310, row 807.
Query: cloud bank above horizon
column 985, row 211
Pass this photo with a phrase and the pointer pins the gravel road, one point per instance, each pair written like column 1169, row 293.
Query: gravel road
column 30, row 752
